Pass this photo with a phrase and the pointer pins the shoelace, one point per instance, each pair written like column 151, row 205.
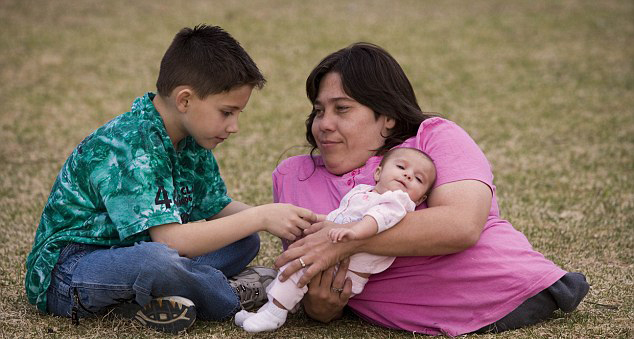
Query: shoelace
column 248, row 295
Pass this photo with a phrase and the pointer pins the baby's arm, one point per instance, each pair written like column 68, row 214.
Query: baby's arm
column 362, row 229
column 393, row 207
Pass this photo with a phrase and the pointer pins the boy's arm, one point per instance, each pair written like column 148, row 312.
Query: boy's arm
column 197, row 238
column 233, row 208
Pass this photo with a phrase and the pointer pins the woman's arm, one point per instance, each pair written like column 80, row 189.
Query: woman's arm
column 453, row 222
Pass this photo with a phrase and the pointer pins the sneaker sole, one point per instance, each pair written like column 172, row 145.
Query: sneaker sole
column 170, row 314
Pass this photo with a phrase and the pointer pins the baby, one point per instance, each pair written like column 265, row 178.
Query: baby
column 403, row 180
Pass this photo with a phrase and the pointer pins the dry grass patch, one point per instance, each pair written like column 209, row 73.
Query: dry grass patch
column 546, row 88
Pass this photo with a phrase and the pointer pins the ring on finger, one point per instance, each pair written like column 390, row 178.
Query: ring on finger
column 301, row 262
column 336, row 290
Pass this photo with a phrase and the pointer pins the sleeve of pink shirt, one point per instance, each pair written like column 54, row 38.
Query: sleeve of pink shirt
column 455, row 154
column 390, row 208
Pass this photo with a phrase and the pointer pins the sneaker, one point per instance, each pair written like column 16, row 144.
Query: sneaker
column 166, row 314
column 250, row 285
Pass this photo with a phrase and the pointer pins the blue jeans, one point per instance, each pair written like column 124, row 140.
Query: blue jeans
column 99, row 277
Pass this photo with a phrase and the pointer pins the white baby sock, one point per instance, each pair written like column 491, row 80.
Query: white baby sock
column 269, row 318
column 241, row 316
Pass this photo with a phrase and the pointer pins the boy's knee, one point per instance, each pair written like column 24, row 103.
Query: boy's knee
column 252, row 242
column 250, row 246
column 162, row 256
column 155, row 250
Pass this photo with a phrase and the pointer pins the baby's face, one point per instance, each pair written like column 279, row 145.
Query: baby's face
column 406, row 170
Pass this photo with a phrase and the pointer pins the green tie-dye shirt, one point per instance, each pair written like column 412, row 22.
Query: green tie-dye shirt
column 121, row 180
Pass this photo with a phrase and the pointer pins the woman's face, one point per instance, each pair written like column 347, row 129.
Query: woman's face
column 347, row 133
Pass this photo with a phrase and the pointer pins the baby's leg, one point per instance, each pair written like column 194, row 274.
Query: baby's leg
column 283, row 296
column 359, row 279
column 362, row 274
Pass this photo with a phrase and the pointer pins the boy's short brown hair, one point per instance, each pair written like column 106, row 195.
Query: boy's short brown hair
column 209, row 60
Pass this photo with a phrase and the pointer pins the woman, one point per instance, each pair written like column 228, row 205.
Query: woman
column 461, row 268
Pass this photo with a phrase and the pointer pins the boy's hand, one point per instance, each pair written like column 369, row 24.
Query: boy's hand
column 341, row 235
column 285, row 220
column 318, row 226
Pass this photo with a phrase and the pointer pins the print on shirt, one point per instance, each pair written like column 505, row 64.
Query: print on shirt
column 162, row 196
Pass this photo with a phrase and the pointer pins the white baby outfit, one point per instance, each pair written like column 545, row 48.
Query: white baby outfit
column 387, row 209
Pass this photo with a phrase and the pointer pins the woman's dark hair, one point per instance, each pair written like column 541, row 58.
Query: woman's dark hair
column 209, row 60
column 372, row 77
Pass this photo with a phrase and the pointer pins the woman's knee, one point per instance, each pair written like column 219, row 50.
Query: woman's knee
column 532, row 311
column 569, row 291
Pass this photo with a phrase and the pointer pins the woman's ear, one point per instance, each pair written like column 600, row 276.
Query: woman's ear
column 377, row 174
column 182, row 99
column 389, row 123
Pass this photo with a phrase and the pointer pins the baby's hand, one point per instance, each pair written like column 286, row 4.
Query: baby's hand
column 341, row 234
column 284, row 220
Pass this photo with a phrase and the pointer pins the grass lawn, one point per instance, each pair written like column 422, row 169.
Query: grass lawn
column 545, row 87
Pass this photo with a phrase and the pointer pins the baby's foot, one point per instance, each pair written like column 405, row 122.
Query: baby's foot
column 268, row 319
column 241, row 316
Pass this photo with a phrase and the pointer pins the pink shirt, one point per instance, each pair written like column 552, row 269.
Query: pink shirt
column 449, row 294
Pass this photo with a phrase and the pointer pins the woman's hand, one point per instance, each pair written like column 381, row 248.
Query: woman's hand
column 317, row 252
column 328, row 294
column 284, row 220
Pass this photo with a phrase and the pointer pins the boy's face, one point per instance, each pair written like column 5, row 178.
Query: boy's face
column 408, row 171
column 213, row 119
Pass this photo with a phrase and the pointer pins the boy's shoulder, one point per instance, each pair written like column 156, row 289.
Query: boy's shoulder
column 137, row 128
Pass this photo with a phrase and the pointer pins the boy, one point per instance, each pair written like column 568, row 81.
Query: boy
column 403, row 180
column 115, row 228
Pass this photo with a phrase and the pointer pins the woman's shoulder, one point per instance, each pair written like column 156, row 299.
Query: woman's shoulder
column 431, row 129
column 436, row 123
column 298, row 164
column 435, row 129
column 296, row 161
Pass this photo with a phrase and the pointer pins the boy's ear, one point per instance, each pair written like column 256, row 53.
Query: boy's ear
column 182, row 98
column 377, row 173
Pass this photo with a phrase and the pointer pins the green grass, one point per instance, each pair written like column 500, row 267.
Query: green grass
column 546, row 88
